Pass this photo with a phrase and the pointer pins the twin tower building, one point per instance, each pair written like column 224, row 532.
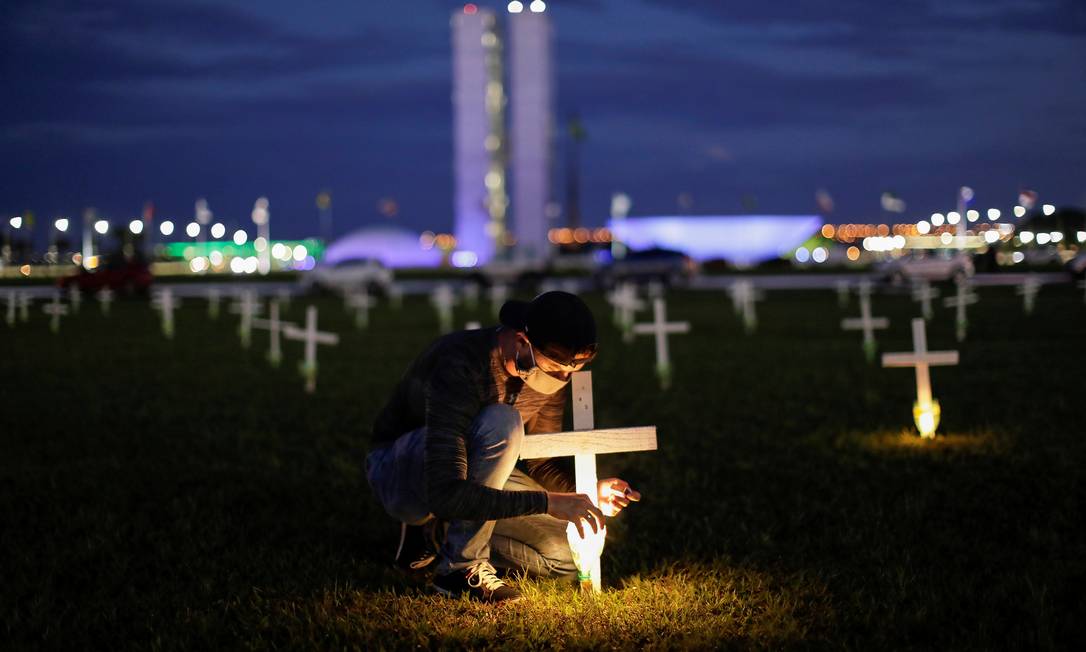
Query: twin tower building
column 502, row 164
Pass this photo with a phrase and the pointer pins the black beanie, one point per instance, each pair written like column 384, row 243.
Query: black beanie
column 557, row 323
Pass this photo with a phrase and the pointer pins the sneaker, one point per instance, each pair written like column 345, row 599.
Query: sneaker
column 478, row 582
column 418, row 547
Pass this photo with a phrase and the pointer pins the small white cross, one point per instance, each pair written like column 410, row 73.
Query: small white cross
column 361, row 303
column 444, row 300
column 105, row 300
column 312, row 337
column 584, row 443
column 25, row 300
column 964, row 297
column 12, row 302
column 866, row 322
column 274, row 328
column 55, row 309
column 926, row 411
column 471, row 294
column 75, row 298
column 213, row 303
column 498, row 293
column 472, row 326
column 924, row 293
column 843, row 289
column 1028, row 291
column 165, row 303
column 248, row 307
column 744, row 295
column 395, row 295
column 626, row 304
column 660, row 328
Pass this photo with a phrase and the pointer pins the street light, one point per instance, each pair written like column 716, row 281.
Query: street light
column 102, row 227
column 218, row 230
column 240, row 237
column 61, row 224
column 192, row 230
column 16, row 222
column 166, row 228
column 136, row 227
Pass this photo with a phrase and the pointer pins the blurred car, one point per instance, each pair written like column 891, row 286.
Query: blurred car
column 125, row 276
column 910, row 268
column 349, row 274
column 668, row 267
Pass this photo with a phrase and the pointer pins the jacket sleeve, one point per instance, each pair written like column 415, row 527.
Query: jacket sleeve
column 454, row 397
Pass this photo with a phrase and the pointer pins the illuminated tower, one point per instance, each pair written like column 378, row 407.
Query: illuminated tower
column 478, row 133
column 531, row 100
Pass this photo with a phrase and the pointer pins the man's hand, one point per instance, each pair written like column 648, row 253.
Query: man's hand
column 574, row 508
column 615, row 494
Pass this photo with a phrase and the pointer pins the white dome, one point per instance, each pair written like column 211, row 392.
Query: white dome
column 391, row 246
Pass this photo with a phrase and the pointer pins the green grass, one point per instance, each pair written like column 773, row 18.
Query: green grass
column 183, row 494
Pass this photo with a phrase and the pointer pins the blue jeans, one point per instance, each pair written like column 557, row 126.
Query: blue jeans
column 533, row 544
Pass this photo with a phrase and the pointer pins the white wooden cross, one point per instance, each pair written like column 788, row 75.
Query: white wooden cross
column 964, row 297
column 361, row 302
column 312, row 337
column 584, row 443
column 283, row 296
column 926, row 411
column 213, row 303
column 75, row 298
column 744, row 295
column 471, row 294
column 165, row 303
column 274, row 328
column 661, row 328
column 472, row 326
column 1028, row 290
column 395, row 295
column 24, row 306
column 55, row 309
column 498, row 293
column 12, row 301
column 843, row 288
column 924, row 293
column 866, row 322
column 248, row 307
column 444, row 300
column 105, row 300
column 626, row 304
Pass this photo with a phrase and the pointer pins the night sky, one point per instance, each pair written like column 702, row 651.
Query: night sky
column 740, row 105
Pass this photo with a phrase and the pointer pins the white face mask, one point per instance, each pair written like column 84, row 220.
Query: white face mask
column 536, row 378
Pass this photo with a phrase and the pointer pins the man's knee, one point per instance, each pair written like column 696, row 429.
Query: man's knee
column 500, row 425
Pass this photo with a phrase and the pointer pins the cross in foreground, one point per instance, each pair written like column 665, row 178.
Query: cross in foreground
column 55, row 310
column 274, row 328
column 661, row 328
column 964, row 297
column 1028, row 290
column 584, row 443
column 926, row 411
column 924, row 293
column 866, row 322
column 312, row 337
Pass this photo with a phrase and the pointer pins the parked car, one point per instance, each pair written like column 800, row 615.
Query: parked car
column 349, row 274
column 671, row 268
column 125, row 276
column 910, row 268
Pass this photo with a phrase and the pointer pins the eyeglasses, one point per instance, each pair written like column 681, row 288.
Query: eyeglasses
column 575, row 364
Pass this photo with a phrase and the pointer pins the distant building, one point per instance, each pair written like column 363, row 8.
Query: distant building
column 478, row 98
column 532, row 125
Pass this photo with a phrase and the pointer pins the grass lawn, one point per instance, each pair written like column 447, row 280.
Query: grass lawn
column 184, row 494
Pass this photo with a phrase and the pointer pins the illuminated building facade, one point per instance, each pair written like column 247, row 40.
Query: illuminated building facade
column 480, row 197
